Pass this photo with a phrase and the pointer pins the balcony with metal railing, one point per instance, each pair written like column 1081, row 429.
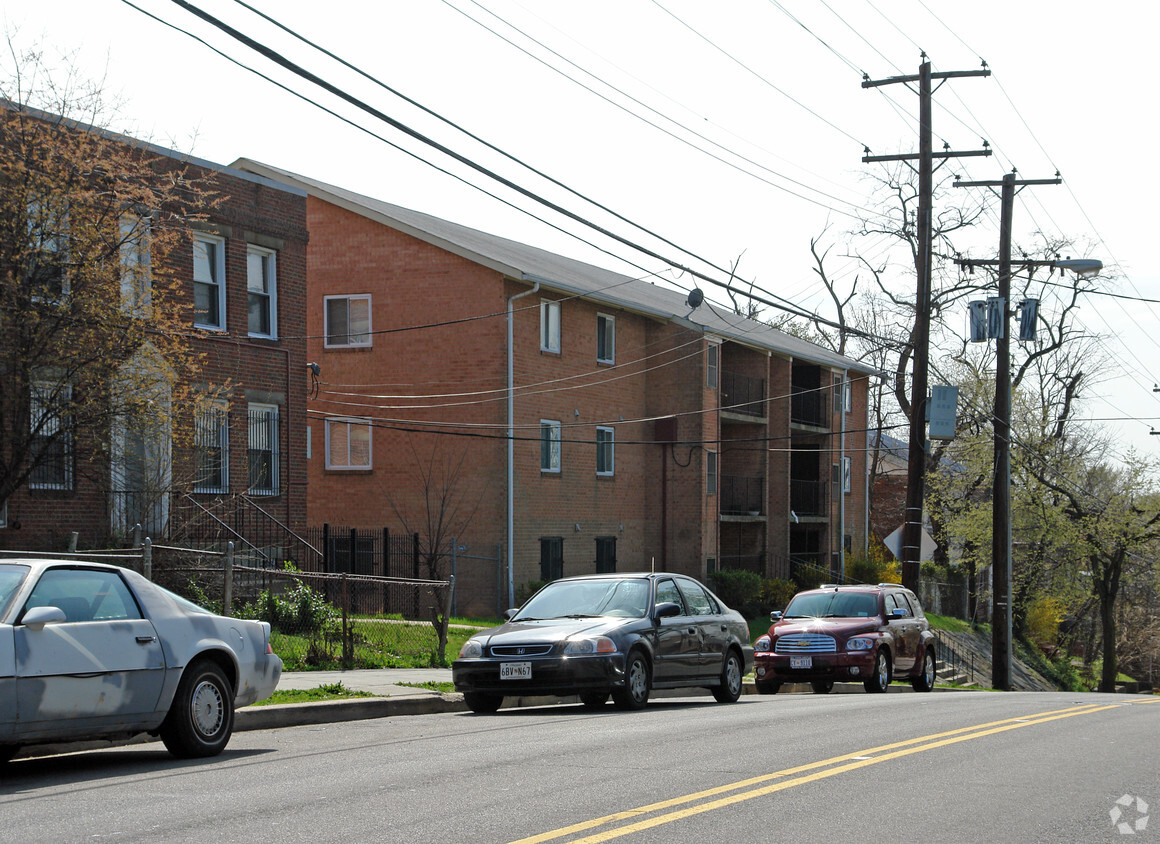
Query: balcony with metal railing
column 808, row 498
column 810, row 407
column 742, row 496
column 743, row 396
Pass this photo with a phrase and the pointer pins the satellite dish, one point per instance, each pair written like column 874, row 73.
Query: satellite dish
column 696, row 297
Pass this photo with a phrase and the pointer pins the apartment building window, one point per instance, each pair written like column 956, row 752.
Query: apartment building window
column 847, row 470
column 48, row 251
column 262, row 291
column 212, row 441
column 51, row 433
column 605, row 454
column 605, row 339
column 136, row 265
column 348, row 321
column 551, row 557
column 549, row 326
column 847, row 395
column 348, row 444
column 712, row 354
column 263, row 449
column 209, row 282
column 605, row 554
column 550, row 432
column 710, row 473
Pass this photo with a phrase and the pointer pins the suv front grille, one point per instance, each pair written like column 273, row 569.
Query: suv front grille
column 805, row 643
column 521, row 650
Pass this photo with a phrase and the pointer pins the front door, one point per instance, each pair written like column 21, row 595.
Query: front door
column 102, row 667
column 678, row 650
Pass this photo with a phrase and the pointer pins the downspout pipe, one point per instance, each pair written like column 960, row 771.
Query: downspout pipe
column 511, row 445
column 842, row 479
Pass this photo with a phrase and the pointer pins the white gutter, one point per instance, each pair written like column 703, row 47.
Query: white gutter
column 511, row 454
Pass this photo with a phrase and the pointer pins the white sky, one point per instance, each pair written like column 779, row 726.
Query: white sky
column 1070, row 91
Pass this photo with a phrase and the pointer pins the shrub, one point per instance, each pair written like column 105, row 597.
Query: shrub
column 749, row 593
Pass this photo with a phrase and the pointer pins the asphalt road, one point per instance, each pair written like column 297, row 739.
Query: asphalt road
column 969, row 766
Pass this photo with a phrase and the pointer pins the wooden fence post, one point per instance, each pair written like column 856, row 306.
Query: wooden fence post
column 228, row 580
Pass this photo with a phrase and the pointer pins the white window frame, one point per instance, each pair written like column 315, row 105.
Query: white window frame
column 710, row 472
column 712, row 365
column 275, row 434
column 550, row 326
column 847, row 395
column 606, row 352
column 353, row 340
column 847, row 474
column 215, row 437
column 551, row 446
column 609, row 445
column 267, row 292
column 42, row 242
column 217, row 280
column 135, row 249
column 350, row 423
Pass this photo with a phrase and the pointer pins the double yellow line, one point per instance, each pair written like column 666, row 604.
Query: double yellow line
column 760, row 786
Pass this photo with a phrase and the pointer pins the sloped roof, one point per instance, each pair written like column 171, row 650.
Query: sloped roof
column 561, row 274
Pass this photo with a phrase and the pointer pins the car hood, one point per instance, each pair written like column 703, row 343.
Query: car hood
column 837, row 627
column 553, row 630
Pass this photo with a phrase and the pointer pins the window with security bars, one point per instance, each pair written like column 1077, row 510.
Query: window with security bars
column 50, row 430
column 605, row 554
column 212, row 441
column 550, row 438
column 551, row 557
column 263, row 449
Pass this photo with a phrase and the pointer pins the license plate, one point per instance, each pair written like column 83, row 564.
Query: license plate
column 515, row 671
column 801, row 662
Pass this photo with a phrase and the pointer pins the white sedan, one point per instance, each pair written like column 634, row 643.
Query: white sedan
column 89, row 650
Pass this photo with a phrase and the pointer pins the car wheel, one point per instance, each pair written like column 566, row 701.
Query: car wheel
column 823, row 688
column 593, row 700
column 768, row 687
column 924, row 682
column 637, row 682
column 730, row 689
column 482, row 703
column 201, row 717
column 880, row 680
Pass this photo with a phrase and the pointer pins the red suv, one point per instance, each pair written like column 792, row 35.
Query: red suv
column 870, row 633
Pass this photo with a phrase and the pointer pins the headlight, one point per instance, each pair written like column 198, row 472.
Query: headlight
column 472, row 649
column 762, row 644
column 594, row 645
column 859, row 644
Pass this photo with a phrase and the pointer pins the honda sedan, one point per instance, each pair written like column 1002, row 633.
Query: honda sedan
column 609, row 634
column 89, row 650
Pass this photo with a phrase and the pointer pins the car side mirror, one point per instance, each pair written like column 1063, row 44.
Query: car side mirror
column 775, row 616
column 666, row 609
column 509, row 612
column 37, row 617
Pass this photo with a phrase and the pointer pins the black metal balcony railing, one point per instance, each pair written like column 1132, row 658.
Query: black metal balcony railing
column 743, row 394
column 807, row 498
column 810, row 407
column 741, row 496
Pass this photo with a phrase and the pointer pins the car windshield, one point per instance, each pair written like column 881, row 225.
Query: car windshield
column 10, row 578
column 587, row 599
column 832, row 605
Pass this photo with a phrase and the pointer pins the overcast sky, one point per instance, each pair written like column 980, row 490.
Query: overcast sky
column 734, row 130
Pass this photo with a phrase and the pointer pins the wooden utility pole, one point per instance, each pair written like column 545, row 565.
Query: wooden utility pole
column 1001, row 634
column 916, row 462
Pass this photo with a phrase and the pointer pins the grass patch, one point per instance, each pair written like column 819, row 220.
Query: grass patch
column 331, row 691
column 432, row 686
column 378, row 643
column 946, row 622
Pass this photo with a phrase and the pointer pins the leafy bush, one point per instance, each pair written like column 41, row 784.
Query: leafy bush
column 749, row 593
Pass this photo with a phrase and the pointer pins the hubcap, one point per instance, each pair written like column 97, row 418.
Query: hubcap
column 207, row 707
column 733, row 674
column 929, row 670
column 636, row 679
column 883, row 673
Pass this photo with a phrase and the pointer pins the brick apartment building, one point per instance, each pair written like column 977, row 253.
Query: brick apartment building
column 551, row 418
column 241, row 271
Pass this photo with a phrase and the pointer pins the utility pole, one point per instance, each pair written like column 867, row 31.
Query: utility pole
column 916, row 458
column 1001, row 634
